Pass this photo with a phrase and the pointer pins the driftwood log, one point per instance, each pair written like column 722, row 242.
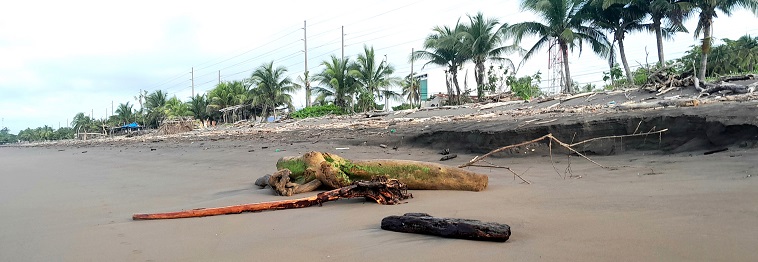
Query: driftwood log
column 726, row 87
column 381, row 190
column 422, row 223
column 333, row 171
column 664, row 103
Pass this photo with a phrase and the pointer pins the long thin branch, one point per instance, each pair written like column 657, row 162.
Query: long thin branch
column 476, row 159
column 506, row 168
column 607, row 137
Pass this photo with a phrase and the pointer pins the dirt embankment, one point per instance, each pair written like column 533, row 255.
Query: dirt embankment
column 701, row 128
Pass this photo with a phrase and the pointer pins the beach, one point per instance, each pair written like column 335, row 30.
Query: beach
column 74, row 203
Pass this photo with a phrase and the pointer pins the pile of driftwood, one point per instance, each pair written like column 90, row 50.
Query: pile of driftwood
column 726, row 87
column 175, row 126
column 663, row 82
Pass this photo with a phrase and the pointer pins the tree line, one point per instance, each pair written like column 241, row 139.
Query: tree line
column 355, row 85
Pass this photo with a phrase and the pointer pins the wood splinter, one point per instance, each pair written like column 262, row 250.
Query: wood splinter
column 380, row 189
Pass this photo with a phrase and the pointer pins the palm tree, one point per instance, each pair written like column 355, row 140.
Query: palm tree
column 565, row 25
column 154, row 103
column 484, row 38
column 305, row 79
column 156, row 99
column 412, row 90
column 175, row 108
column 125, row 113
column 81, row 122
column 226, row 94
column 673, row 13
column 198, row 105
column 617, row 20
column 336, row 82
column 271, row 88
column 708, row 10
column 375, row 79
column 445, row 47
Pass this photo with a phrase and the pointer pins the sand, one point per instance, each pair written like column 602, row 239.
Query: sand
column 61, row 204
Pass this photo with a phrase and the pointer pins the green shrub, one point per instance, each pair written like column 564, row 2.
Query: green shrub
column 316, row 111
column 525, row 87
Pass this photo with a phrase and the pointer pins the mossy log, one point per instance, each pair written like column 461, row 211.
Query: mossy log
column 334, row 171
column 422, row 223
column 380, row 190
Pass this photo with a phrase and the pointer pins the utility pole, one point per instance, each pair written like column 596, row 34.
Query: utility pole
column 386, row 88
column 412, row 81
column 111, row 108
column 305, row 74
column 192, row 79
column 219, row 76
column 343, row 44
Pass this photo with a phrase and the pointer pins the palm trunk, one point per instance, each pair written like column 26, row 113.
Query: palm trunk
column 307, row 93
column 705, row 47
column 450, row 91
column 620, row 39
column 457, row 87
column 568, row 82
column 264, row 113
column 659, row 40
column 479, row 80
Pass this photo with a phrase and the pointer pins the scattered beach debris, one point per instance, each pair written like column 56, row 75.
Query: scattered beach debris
column 660, row 104
column 716, row 151
column 445, row 151
column 314, row 169
column 448, row 157
column 382, row 145
column 380, row 189
column 181, row 125
column 422, row 223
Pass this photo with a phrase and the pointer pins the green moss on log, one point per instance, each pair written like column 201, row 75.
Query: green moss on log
column 297, row 168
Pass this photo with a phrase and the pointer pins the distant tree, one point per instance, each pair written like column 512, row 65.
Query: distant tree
column 125, row 113
column 564, row 23
column 667, row 17
column 226, row 94
column 271, row 88
column 154, row 105
column 175, row 108
column 707, row 10
column 82, row 123
column 336, row 82
column 198, row 105
column 484, row 40
column 412, row 90
column 6, row 137
column 375, row 78
column 618, row 20
column 733, row 56
column 445, row 47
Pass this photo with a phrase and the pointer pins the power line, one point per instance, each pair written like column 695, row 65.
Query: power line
column 249, row 50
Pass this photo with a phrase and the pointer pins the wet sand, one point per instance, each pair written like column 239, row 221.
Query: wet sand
column 61, row 204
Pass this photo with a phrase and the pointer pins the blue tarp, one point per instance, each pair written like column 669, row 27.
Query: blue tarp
column 133, row 125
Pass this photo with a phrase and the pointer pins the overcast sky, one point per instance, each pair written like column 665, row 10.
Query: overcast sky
column 58, row 58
